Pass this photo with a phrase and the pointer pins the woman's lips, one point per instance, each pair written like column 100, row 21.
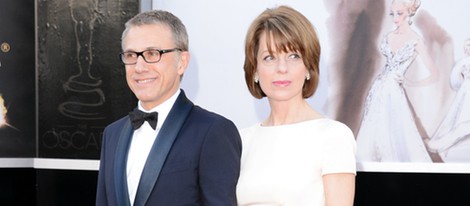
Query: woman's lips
column 282, row 83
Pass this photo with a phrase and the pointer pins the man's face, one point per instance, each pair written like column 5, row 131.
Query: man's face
column 153, row 83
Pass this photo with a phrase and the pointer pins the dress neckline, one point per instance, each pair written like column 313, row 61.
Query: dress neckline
column 406, row 46
column 292, row 124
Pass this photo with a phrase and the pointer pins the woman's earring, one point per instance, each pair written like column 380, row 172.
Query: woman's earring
column 256, row 78
column 307, row 77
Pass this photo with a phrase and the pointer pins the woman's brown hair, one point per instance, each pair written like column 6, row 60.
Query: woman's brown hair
column 290, row 31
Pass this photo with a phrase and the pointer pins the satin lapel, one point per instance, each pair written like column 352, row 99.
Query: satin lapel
column 120, row 162
column 161, row 147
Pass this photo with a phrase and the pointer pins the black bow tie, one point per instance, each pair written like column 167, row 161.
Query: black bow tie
column 139, row 117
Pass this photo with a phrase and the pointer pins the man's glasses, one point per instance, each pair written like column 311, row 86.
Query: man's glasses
column 149, row 55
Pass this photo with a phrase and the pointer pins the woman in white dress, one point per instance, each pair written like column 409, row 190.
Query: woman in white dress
column 389, row 131
column 451, row 139
column 296, row 156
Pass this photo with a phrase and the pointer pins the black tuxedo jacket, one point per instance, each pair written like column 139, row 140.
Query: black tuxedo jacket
column 195, row 160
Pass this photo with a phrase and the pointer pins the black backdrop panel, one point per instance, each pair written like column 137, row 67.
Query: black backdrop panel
column 412, row 189
column 18, row 186
column 66, row 187
column 82, row 85
column 17, row 79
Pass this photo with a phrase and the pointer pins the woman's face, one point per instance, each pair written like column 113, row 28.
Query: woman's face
column 282, row 74
column 399, row 13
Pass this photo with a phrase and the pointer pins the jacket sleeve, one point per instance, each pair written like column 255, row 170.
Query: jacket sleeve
column 101, row 199
column 219, row 165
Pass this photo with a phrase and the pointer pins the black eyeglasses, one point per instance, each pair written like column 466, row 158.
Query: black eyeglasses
column 149, row 55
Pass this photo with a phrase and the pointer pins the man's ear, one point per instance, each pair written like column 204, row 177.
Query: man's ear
column 184, row 62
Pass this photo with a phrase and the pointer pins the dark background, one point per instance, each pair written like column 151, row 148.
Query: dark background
column 70, row 188
column 81, row 81
column 17, row 78
column 48, row 115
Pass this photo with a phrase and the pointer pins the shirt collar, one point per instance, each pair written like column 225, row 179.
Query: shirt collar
column 163, row 109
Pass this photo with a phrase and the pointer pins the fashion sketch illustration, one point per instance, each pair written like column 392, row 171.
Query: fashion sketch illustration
column 451, row 139
column 389, row 130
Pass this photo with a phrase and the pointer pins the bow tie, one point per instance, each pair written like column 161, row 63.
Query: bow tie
column 139, row 117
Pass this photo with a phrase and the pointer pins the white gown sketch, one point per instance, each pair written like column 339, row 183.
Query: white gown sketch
column 454, row 130
column 388, row 131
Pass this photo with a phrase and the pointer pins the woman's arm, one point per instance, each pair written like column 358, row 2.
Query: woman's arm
column 339, row 189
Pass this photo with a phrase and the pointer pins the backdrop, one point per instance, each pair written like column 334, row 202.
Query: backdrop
column 350, row 33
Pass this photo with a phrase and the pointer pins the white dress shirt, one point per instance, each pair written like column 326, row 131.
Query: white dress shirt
column 142, row 142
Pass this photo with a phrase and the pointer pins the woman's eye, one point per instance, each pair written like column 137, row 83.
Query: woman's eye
column 294, row 56
column 268, row 58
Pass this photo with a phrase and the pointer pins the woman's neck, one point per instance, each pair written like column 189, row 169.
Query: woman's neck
column 286, row 112
column 403, row 29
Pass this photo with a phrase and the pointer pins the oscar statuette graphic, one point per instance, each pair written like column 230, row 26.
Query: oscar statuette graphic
column 85, row 88
column 81, row 81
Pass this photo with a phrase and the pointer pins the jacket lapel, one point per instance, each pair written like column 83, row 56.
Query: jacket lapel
column 120, row 162
column 161, row 147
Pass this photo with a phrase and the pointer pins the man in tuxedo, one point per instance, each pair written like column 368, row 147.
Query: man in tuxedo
column 190, row 156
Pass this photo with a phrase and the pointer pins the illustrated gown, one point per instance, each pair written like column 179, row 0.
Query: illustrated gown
column 388, row 131
column 451, row 139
